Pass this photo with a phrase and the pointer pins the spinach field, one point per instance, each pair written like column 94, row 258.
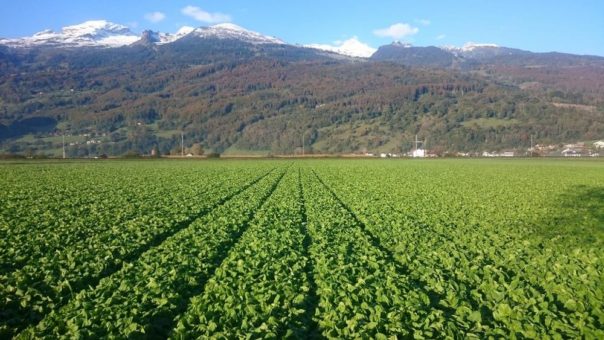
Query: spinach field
column 302, row 249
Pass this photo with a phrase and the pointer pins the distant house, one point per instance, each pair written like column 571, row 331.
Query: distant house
column 501, row 154
column 568, row 152
column 418, row 153
column 599, row 144
column 383, row 155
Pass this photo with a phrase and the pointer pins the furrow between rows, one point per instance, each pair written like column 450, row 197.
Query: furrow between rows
column 50, row 282
column 145, row 296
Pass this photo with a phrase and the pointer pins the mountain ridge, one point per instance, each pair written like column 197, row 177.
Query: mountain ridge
column 227, row 93
column 102, row 33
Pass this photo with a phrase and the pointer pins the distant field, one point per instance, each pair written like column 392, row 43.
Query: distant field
column 302, row 248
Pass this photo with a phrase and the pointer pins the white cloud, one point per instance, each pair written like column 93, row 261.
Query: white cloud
column 351, row 47
column 155, row 17
column 203, row 16
column 424, row 22
column 396, row 31
column 441, row 36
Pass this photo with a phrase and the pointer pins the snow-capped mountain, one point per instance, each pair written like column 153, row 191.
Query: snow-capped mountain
column 232, row 31
column 166, row 38
column 90, row 33
column 351, row 47
column 480, row 51
column 160, row 38
column 102, row 33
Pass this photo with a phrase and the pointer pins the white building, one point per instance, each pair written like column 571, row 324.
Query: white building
column 418, row 153
column 571, row 153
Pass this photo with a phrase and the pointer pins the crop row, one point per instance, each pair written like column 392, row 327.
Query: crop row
column 361, row 291
column 330, row 249
column 263, row 288
column 72, row 216
column 145, row 295
column 48, row 282
column 493, row 277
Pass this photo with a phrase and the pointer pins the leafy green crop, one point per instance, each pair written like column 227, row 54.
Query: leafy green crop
column 261, row 289
column 146, row 292
column 302, row 249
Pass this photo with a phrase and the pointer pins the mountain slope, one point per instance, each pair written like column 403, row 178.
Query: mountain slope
column 414, row 56
column 227, row 88
column 234, row 32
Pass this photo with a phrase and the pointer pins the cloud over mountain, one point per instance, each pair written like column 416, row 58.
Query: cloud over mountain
column 155, row 17
column 203, row 16
column 396, row 31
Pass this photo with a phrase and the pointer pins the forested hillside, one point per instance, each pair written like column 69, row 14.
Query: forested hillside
column 230, row 95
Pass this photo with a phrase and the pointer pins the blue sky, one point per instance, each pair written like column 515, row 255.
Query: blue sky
column 559, row 25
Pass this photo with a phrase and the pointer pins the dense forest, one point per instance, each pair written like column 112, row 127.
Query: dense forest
column 228, row 95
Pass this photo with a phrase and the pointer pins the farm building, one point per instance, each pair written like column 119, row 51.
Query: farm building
column 571, row 153
column 418, row 153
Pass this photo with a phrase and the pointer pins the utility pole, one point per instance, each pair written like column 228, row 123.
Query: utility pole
column 182, row 144
column 302, row 144
column 532, row 146
column 64, row 145
column 418, row 142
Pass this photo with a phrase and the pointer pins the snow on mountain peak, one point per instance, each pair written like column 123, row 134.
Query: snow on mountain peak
column 166, row 38
column 94, row 27
column 469, row 46
column 232, row 31
column 351, row 47
column 90, row 33
column 229, row 26
column 44, row 32
column 103, row 33
column 184, row 30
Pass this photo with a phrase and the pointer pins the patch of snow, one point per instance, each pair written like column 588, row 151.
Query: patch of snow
column 166, row 38
column 185, row 30
column 351, row 47
column 470, row 46
column 232, row 31
column 117, row 40
column 90, row 33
